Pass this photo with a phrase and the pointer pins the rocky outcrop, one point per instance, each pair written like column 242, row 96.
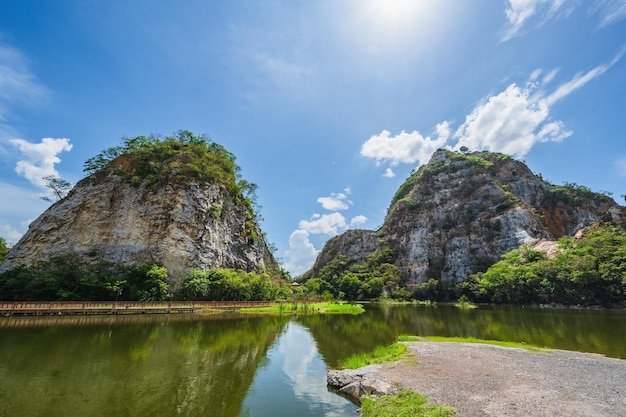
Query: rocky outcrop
column 181, row 225
column 459, row 213
column 355, row 383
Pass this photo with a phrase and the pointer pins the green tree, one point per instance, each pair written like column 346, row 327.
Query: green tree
column 4, row 249
column 58, row 188
column 588, row 271
column 155, row 286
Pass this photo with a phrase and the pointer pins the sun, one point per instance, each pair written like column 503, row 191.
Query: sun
column 397, row 18
column 393, row 11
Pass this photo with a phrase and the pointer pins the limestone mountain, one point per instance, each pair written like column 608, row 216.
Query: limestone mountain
column 178, row 202
column 459, row 213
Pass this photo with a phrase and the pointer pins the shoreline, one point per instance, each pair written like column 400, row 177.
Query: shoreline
column 486, row 380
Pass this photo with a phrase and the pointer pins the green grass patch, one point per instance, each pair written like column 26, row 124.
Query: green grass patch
column 381, row 354
column 306, row 308
column 466, row 306
column 464, row 303
column 443, row 339
column 402, row 404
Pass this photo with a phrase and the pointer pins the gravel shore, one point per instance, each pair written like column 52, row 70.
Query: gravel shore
column 485, row 380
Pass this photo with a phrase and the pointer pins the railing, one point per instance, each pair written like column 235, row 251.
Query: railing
column 9, row 308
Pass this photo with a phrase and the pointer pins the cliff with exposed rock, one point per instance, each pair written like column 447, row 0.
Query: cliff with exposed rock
column 459, row 213
column 140, row 208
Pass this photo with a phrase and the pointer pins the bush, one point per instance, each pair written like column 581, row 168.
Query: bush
column 67, row 278
column 587, row 271
column 233, row 285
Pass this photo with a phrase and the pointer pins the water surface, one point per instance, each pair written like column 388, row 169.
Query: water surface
column 231, row 366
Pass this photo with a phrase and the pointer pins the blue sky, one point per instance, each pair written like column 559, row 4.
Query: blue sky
column 328, row 105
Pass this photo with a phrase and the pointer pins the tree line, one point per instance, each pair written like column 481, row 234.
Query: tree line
column 67, row 278
column 589, row 271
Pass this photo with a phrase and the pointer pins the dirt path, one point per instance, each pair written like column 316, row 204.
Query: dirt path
column 485, row 380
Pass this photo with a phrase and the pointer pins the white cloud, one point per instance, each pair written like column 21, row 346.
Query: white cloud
column 301, row 253
column 40, row 158
column 581, row 79
column 358, row 220
column 609, row 11
column 389, row 173
column 510, row 122
column 332, row 203
column 336, row 201
column 16, row 205
column 405, row 147
column 520, row 12
column 10, row 234
column 550, row 76
column 328, row 224
column 513, row 121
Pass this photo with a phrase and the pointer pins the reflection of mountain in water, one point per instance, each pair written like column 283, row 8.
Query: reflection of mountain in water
column 295, row 375
column 199, row 368
column 584, row 330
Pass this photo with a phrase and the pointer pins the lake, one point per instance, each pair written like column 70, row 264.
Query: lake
column 233, row 365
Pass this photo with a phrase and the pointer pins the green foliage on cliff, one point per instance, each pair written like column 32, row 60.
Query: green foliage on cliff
column 587, row 271
column 4, row 249
column 375, row 278
column 453, row 162
column 183, row 157
column 572, row 193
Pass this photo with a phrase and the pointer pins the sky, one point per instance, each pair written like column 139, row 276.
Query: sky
column 328, row 105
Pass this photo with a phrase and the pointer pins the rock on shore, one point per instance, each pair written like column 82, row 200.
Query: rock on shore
column 359, row 382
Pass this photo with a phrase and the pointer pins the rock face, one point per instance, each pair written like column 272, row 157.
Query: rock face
column 181, row 226
column 356, row 383
column 459, row 213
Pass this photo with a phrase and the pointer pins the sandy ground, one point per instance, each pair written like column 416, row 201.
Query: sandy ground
column 485, row 380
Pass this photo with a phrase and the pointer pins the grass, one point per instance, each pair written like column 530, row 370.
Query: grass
column 403, row 404
column 464, row 303
column 306, row 308
column 443, row 339
column 381, row 354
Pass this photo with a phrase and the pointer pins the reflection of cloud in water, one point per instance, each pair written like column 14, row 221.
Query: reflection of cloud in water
column 304, row 366
column 293, row 381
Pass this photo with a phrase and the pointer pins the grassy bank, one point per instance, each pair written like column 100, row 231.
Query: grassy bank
column 469, row 340
column 381, row 354
column 306, row 308
column 403, row 404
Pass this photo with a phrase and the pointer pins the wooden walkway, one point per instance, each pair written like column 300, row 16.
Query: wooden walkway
column 10, row 308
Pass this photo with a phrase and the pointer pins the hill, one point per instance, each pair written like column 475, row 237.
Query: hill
column 177, row 202
column 454, row 217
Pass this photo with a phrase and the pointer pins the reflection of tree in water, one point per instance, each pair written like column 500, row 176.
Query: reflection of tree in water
column 188, row 368
column 587, row 330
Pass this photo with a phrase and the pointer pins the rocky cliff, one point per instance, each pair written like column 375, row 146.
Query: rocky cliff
column 180, row 222
column 459, row 213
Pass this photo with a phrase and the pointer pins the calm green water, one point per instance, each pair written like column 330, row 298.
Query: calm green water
column 187, row 365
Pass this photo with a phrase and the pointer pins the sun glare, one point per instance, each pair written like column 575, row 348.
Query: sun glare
column 393, row 11
column 397, row 18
